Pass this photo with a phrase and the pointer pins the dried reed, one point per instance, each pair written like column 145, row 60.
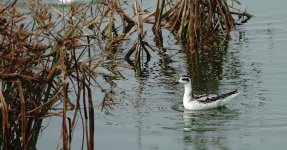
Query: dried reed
column 40, row 64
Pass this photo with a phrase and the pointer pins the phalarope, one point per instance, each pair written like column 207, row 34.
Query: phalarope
column 67, row 2
column 200, row 102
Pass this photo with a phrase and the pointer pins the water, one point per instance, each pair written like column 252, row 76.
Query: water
column 148, row 113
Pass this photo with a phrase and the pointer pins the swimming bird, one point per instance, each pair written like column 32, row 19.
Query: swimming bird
column 65, row 2
column 69, row 2
column 200, row 102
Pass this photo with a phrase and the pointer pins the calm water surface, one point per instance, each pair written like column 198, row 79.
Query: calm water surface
column 148, row 113
column 254, row 63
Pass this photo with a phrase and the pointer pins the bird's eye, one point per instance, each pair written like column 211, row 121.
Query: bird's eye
column 185, row 79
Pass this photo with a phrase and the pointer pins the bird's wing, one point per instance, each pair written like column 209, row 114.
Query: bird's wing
column 210, row 99
column 203, row 96
column 207, row 98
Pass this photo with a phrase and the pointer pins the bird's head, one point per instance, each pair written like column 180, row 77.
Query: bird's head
column 184, row 79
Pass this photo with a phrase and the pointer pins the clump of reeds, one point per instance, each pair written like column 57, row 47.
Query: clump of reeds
column 45, row 61
column 197, row 22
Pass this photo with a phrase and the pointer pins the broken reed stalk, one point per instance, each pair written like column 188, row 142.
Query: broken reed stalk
column 158, row 15
column 4, row 123
column 158, row 19
column 64, row 82
column 22, row 114
column 140, row 45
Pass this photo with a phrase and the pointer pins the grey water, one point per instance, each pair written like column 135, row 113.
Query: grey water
column 148, row 112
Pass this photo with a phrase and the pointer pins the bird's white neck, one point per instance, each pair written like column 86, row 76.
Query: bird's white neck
column 187, row 93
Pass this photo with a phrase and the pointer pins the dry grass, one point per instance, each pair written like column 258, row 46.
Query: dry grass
column 41, row 64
